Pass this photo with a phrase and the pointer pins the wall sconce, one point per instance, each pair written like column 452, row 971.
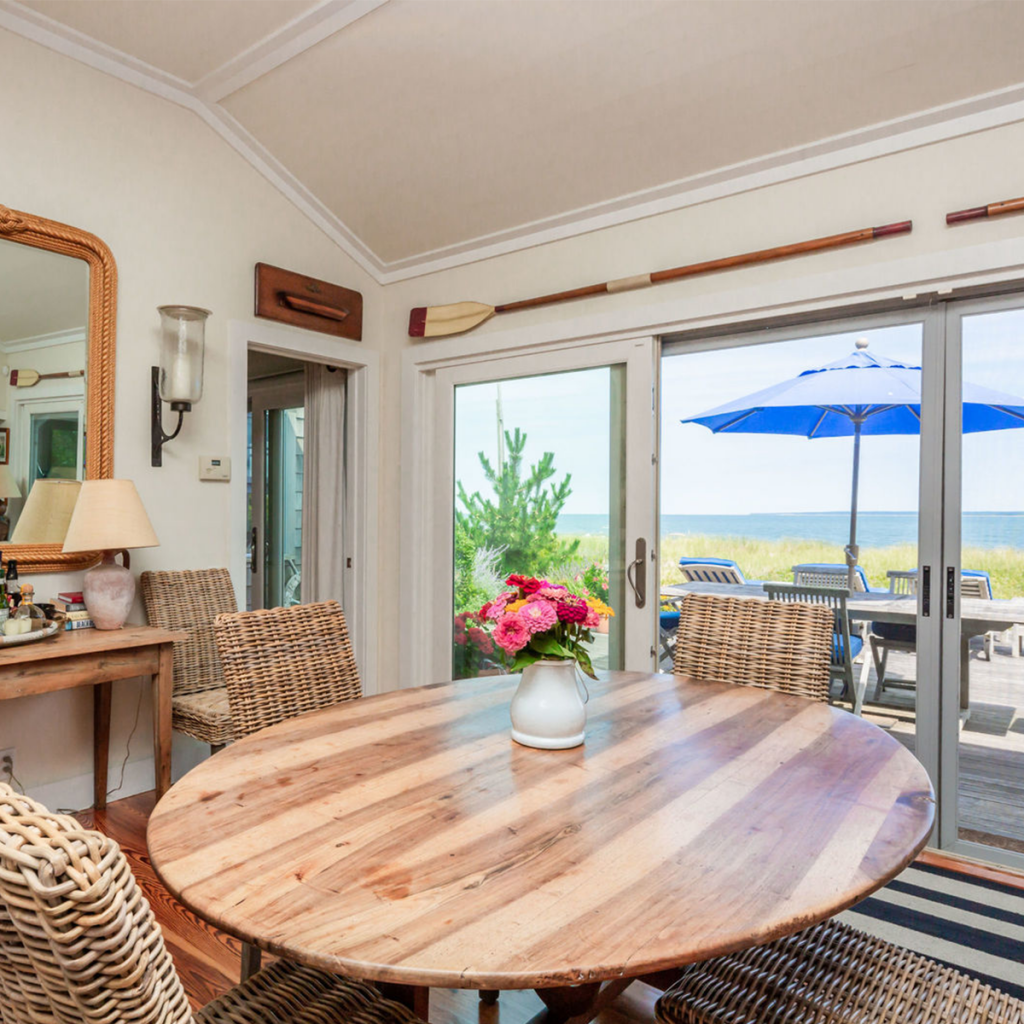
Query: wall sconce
column 179, row 377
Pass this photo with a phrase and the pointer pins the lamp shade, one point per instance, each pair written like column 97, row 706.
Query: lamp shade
column 47, row 512
column 109, row 516
column 8, row 486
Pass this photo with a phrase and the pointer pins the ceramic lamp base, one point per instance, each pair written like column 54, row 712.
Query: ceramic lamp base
column 108, row 591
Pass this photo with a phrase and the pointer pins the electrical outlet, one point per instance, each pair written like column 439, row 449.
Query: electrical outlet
column 7, row 763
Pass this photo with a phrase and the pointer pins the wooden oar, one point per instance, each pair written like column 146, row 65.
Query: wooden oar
column 26, row 378
column 439, row 321
column 980, row 212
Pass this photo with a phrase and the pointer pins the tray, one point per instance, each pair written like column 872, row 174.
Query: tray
column 49, row 629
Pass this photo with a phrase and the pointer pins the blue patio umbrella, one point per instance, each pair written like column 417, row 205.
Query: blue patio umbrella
column 862, row 393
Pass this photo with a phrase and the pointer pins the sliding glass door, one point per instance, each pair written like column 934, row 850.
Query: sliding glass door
column 551, row 475
column 982, row 798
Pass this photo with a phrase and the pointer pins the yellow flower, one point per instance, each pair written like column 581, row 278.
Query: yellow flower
column 600, row 607
column 514, row 606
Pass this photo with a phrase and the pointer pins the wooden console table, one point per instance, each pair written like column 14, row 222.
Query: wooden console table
column 98, row 657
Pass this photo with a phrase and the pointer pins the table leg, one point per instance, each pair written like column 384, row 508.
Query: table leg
column 100, row 743
column 412, row 997
column 163, row 683
column 563, row 1003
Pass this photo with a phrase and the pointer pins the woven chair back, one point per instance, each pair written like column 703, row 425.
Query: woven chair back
column 190, row 600
column 830, row 597
column 768, row 644
column 282, row 662
column 78, row 942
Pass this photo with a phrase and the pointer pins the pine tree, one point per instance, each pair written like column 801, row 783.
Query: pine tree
column 521, row 517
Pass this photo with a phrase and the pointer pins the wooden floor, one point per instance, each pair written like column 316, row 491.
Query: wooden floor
column 209, row 961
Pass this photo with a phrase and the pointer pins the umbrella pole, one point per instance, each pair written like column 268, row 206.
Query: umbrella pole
column 852, row 551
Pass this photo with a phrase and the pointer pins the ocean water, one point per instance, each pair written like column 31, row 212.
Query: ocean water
column 874, row 529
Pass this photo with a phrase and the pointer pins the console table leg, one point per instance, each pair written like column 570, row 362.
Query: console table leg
column 163, row 685
column 100, row 743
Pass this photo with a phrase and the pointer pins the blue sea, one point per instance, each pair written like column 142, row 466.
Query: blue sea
column 874, row 529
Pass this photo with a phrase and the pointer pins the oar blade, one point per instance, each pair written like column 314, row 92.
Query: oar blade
column 440, row 321
column 24, row 378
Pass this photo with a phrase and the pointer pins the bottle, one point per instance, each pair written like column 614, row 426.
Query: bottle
column 11, row 583
column 28, row 612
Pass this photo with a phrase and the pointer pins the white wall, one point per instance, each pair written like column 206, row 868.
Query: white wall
column 186, row 219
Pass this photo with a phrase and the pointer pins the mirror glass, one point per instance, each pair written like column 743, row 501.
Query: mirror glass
column 44, row 324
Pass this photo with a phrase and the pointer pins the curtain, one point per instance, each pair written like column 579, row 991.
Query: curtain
column 323, row 485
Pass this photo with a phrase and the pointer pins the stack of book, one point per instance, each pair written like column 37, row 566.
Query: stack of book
column 72, row 607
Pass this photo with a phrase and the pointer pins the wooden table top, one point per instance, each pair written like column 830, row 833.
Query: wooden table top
column 67, row 643
column 407, row 838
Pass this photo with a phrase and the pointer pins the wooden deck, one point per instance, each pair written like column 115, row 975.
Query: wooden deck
column 991, row 784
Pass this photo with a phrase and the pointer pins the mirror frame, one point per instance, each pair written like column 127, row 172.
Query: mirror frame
column 27, row 229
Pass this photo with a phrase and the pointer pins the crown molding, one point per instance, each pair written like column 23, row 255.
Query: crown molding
column 938, row 124
column 68, row 337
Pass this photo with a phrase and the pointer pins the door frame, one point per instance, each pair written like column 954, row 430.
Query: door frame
column 362, row 460
column 948, row 832
column 427, row 519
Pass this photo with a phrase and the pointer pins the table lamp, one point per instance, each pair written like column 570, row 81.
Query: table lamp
column 109, row 517
column 47, row 512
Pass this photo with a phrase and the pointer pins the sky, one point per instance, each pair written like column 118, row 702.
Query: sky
column 732, row 474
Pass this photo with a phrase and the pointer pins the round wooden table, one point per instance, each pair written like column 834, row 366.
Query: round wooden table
column 406, row 838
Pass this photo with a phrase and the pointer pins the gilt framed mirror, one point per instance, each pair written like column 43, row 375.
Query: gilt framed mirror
column 58, row 308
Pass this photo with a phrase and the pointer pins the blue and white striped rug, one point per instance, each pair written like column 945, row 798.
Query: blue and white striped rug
column 971, row 924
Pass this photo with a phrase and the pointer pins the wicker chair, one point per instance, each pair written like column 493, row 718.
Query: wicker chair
column 846, row 644
column 190, row 600
column 282, row 662
column 79, row 943
column 832, row 974
column 776, row 646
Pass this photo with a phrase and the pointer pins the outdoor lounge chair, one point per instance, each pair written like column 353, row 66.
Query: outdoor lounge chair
column 712, row 570
column 830, row 574
column 846, row 646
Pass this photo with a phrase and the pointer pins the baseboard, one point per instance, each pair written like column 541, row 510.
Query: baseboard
column 75, row 794
column 971, row 868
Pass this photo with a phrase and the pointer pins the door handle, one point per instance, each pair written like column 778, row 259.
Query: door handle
column 926, row 590
column 639, row 581
column 254, row 563
column 950, row 591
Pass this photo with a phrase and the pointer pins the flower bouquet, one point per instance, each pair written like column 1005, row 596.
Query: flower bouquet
column 542, row 620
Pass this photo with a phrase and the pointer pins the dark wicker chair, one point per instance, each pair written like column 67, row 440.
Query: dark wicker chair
column 79, row 944
column 190, row 600
column 769, row 644
column 282, row 662
column 832, row 974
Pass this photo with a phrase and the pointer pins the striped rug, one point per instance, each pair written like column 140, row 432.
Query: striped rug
column 971, row 924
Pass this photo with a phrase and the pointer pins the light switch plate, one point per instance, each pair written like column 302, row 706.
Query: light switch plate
column 215, row 467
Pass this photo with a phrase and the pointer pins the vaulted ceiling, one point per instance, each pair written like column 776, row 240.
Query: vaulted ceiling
column 422, row 133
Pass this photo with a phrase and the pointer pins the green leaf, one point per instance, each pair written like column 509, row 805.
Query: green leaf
column 583, row 660
column 523, row 658
column 542, row 643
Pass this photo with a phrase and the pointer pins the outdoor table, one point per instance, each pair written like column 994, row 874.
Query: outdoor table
column 406, row 838
column 977, row 616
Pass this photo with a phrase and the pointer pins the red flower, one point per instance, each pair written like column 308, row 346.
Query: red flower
column 481, row 639
column 531, row 586
column 515, row 580
column 572, row 609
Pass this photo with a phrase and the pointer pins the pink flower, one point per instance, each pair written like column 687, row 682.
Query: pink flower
column 592, row 621
column 493, row 609
column 552, row 592
column 511, row 634
column 459, row 638
column 538, row 615
column 572, row 608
